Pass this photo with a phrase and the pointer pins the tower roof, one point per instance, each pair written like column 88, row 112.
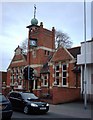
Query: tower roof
column 34, row 21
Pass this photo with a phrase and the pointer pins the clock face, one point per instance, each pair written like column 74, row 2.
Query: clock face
column 33, row 43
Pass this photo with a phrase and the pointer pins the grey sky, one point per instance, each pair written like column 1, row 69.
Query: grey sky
column 64, row 16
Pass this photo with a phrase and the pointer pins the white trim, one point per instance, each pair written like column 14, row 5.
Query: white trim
column 60, row 66
column 44, row 48
column 44, row 86
column 34, row 85
column 72, row 61
column 69, row 53
column 17, row 61
column 60, row 74
column 67, row 74
column 50, row 87
column 53, row 66
column 72, row 87
column 8, row 69
column 36, row 65
column 50, row 64
column 38, row 87
column 53, row 75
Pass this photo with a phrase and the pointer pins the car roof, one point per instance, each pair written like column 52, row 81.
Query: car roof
column 20, row 92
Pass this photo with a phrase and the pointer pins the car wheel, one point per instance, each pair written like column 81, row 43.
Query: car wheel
column 26, row 110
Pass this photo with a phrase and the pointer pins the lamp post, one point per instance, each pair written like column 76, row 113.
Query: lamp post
column 85, row 91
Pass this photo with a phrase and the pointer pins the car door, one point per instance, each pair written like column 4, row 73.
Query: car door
column 12, row 98
column 19, row 102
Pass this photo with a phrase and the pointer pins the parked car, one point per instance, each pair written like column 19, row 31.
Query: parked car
column 27, row 102
column 5, row 107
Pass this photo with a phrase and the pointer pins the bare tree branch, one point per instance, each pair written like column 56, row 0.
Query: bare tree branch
column 62, row 39
column 24, row 45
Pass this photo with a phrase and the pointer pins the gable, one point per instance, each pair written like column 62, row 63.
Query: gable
column 61, row 55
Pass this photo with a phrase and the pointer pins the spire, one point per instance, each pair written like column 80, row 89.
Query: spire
column 34, row 21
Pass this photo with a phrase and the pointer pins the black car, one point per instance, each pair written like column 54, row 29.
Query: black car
column 5, row 107
column 27, row 102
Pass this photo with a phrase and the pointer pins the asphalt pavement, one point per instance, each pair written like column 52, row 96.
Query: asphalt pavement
column 74, row 109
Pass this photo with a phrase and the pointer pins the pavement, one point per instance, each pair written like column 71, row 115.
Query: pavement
column 74, row 110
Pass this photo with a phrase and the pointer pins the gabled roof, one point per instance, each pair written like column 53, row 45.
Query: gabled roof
column 18, row 48
column 18, row 58
column 74, row 51
column 61, row 54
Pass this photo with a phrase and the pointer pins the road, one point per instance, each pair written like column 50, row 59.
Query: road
column 73, row 110
column 19, row 115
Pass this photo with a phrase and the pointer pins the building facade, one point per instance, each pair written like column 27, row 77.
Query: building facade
column 57, row 77
column 86, row 57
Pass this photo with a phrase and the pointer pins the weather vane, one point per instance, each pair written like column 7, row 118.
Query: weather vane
column 34, row 10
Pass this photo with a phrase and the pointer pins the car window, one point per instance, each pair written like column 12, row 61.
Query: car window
column 2, row 98
column 29, row 96
column 12, row 94
column 19, row 96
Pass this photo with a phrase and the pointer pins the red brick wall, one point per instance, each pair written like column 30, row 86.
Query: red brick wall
column 51, row 75
column 72, row 76
column 8, row 78
column 61, row 95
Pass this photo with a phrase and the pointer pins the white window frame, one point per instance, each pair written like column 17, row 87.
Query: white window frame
column 46, row 80
column 57, row 71
column 66, row 75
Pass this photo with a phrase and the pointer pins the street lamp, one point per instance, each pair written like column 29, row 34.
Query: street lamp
column 85, row 92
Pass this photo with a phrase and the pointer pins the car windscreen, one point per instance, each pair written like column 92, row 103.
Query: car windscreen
column 2, row 98
column 29, row 96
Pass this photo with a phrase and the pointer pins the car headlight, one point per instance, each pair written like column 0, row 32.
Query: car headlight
column 47, row 104
column 34, row 105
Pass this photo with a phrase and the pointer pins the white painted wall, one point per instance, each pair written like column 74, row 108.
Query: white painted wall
column 89, row 66
column 89, row 53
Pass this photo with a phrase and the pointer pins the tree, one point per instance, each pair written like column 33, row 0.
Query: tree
column 62, row 39
column 24, row 45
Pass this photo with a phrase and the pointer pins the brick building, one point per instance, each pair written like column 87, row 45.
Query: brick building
column 56, row 75
column 3, row 80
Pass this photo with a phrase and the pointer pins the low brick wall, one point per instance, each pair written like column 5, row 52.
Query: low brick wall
column 62, row 95
column 59, row 95
column 37, row 92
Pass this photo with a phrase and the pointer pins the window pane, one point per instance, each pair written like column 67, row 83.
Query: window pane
column 57, row 67
column 48, row 52
column 57, row 80
column 64, row 74
column 45, row 82
column 64, row 81
column 45, row 77
column 64, row 67
column 57, row 74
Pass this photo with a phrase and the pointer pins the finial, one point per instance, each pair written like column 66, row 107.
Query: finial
column 34, row 21
column 34, row 10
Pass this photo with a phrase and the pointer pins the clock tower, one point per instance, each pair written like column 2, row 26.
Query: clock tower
column 41, row 44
